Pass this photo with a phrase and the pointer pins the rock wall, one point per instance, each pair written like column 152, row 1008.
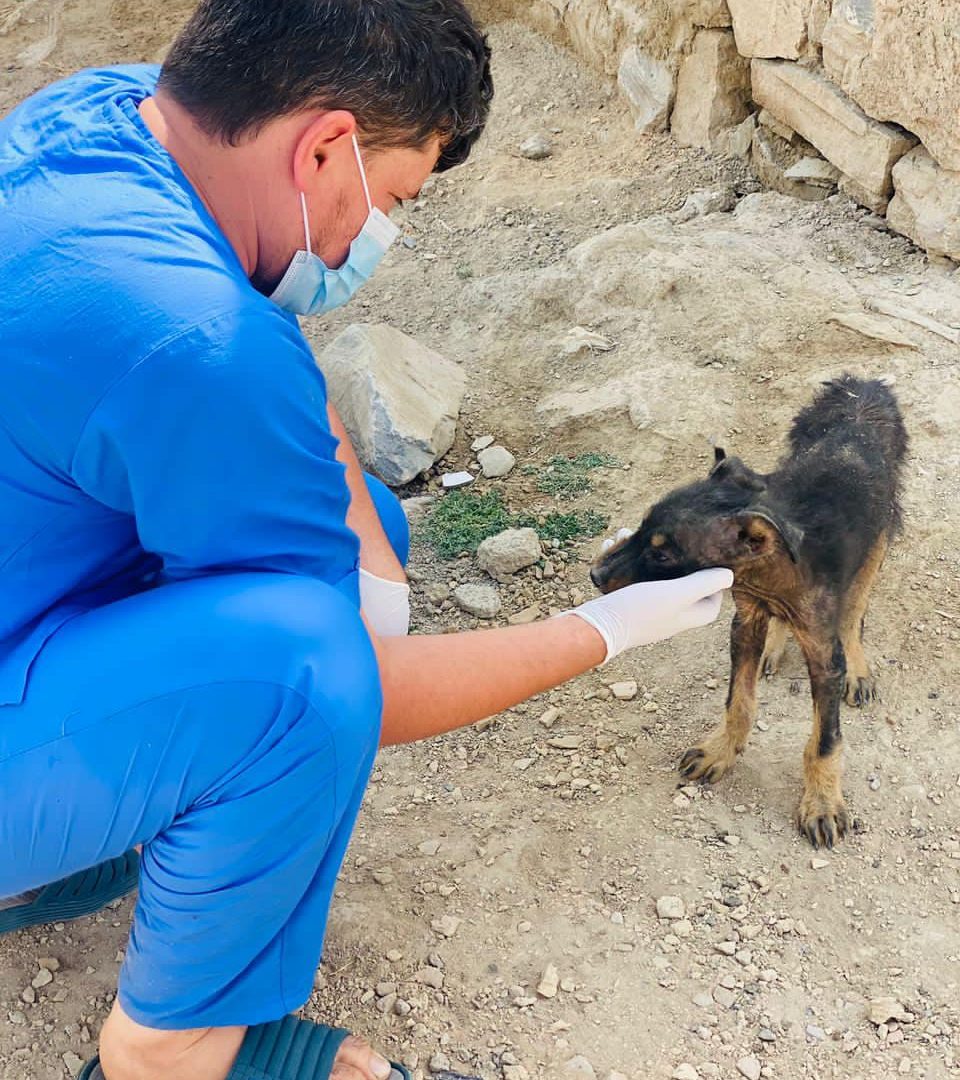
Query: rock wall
column 863, row 95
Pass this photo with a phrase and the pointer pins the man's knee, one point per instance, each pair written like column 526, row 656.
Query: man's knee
column 305, row 635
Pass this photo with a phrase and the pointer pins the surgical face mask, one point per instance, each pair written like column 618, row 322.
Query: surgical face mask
column 310, row 287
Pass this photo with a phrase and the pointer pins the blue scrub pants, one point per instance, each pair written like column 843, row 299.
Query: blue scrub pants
column 229, row 725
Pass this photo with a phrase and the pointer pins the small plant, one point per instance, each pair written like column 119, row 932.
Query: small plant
column 567, row 527
column 565, row 478
column 462, row 520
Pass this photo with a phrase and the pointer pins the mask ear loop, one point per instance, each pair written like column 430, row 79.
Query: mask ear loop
column 306, row 222
column 363, row 173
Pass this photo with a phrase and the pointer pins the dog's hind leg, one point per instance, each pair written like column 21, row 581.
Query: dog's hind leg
column 710, row 759
column 822, row 816
column 860, row 687
column 776, row 643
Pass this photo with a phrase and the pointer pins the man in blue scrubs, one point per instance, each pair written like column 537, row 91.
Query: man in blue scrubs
column 203, row 609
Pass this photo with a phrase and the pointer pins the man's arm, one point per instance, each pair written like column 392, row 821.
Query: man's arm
column 432, row 684
column 376, row 554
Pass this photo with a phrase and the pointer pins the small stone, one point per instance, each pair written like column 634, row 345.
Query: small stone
column 711, row 684
column 48, row 963
column 670, row 907
column 727, row 948
column 482, row 601
column 703, row 1001
column 624, row 691
column 819, row 864
column 446, row 925
column 526, row 616
column 42, row 978
column 382, row 877
column 515, row 1072
column 815, row 1032
column 882, row 1010
column 439, row 1062
column 766, row 1035
column 394, row 956
column 429, row 847
column 565, row 742
column 496, row 461
column 482, row 443
column 536, row 148
column 723, row 997
column 429, row 976
column 750, row 1067
column 509, row 551
column 549, row 982
column 550, row 717
column 731, row 841
column 456, row 479
column 73, row 1063
column 685, row 1072
column 29, row 995
column 814, row 170
column 402, row 1008
column 384, row 988
column 579, row 1066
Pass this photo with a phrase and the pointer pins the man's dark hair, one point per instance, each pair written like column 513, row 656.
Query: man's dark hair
column 406, row 69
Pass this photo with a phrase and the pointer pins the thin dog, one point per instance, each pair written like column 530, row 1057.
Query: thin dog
column 805, row 543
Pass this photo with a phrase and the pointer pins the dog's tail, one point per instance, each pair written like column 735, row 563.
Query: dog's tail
column 867, row 407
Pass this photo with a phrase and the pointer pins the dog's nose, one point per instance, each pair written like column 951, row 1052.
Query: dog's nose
column 596, row 577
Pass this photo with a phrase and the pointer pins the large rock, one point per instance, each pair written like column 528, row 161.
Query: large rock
column 398, row 400
column 649, row 85
column 862, row 148
column 926, row 206
column 509, row 551
column 901, row 63
column 713, row 91
column 770, row 28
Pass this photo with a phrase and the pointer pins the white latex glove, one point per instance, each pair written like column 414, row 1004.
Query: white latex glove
column 610, row 541
column 655, row 610
column 385, row 604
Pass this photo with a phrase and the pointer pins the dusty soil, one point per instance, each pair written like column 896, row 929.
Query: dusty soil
column 546, row 836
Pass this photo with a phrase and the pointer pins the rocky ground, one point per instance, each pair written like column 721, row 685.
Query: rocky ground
column 536, row 896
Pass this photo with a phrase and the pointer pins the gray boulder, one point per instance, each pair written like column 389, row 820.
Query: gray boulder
column 398, row 400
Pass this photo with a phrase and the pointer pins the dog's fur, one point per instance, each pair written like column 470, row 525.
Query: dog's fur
column 805, row 543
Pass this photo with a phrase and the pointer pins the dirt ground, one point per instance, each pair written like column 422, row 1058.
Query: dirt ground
column 546, row 836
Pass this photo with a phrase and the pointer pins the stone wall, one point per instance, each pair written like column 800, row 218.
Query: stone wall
column 863, row 95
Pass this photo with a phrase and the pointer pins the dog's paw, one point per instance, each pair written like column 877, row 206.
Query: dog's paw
column 859, row 692
column 771, row 664
column 822, row 819
column 709, row 760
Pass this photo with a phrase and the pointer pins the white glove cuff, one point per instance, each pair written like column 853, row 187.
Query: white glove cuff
column 385, row 604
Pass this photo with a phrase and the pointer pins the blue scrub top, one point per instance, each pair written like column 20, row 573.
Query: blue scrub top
column 160, row 419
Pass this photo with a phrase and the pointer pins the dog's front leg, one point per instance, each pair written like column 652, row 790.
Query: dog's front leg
column 822, row 816
column 711, row 758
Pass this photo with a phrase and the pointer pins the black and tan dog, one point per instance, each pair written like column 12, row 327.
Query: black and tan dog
column 805, row 543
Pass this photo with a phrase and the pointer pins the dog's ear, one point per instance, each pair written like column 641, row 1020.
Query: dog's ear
column 733, row 469
column 719, row 454
column 760, row 529
column 752, row 534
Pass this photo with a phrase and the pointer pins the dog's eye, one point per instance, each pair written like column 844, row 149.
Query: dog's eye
column 661, row 556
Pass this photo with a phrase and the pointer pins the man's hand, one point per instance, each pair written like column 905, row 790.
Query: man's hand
column 655, row 610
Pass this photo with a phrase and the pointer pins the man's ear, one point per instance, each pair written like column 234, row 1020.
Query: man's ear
column 761, row 530
column 734, row 470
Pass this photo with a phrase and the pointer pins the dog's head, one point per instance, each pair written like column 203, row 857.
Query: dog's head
column 727, row 520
